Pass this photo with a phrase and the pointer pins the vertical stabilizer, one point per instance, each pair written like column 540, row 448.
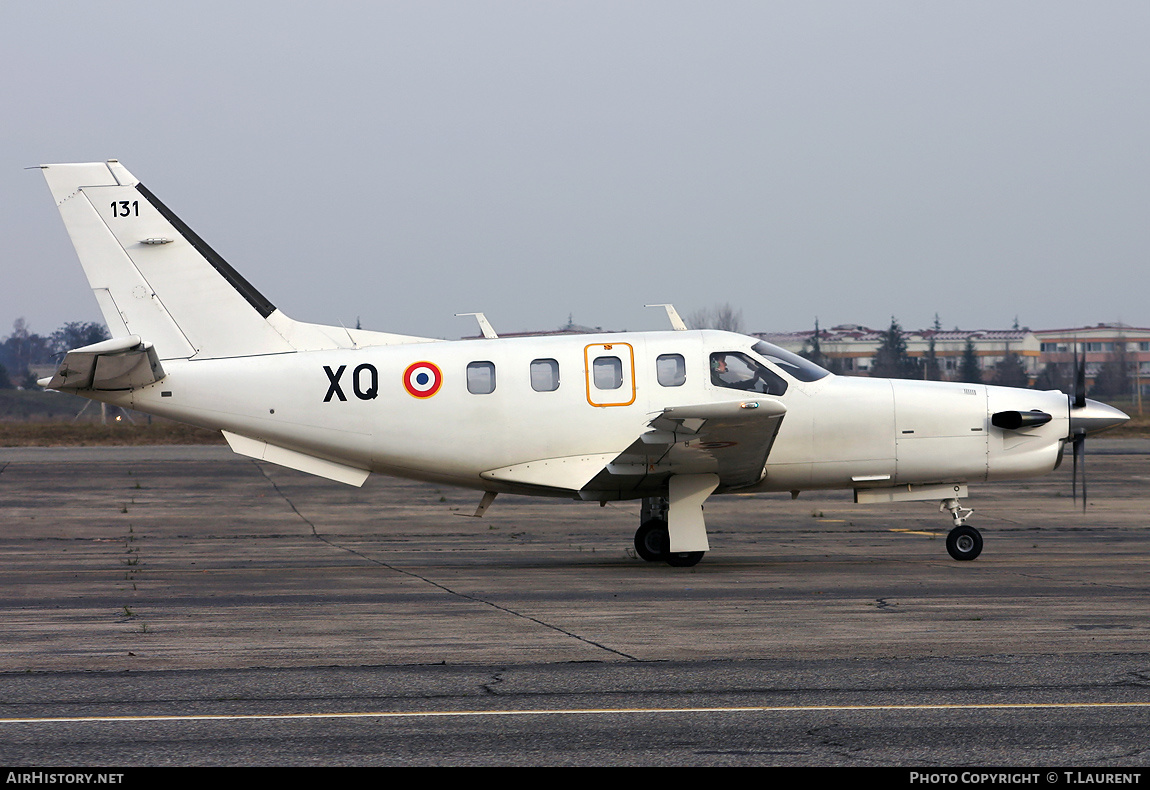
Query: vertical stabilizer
column 152, row 275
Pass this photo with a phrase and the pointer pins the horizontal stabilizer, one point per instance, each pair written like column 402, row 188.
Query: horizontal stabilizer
column 122, row 363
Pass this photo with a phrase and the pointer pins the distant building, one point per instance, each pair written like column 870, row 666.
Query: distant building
column 854, row 347
column 1098, row 345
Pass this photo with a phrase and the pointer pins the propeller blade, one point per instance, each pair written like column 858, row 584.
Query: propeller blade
column 1082, row 442
column 1074, row 474
column 1079, row 379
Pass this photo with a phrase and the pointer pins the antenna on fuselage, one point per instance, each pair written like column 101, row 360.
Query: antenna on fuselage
column 484, row 325
column 672, row 315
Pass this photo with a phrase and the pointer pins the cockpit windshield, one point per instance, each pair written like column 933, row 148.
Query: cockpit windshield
column 789, row 363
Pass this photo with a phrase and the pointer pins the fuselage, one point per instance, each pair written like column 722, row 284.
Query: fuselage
column 454, row 411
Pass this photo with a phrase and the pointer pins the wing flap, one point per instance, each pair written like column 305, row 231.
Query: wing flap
column 572, row 472
column 731, row 440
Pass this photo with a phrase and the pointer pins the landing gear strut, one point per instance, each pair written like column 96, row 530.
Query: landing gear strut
column 964, row 541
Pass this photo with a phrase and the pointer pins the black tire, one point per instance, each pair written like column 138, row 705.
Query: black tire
column 964, row 543
column 652, row 540
column 685, row 559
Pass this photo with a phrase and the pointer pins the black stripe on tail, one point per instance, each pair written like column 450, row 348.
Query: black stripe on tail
column 245, row 289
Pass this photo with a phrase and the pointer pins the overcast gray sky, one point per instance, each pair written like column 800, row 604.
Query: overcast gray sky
column 400, row 162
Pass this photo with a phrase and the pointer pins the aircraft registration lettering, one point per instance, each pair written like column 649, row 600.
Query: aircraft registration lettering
column 357, row 382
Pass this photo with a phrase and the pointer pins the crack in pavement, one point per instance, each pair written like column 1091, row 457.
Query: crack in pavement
column 433, row 583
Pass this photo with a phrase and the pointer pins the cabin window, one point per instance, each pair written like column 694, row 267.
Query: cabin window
column 671, row 370
column 481, row 378
column 608, row 373
column 544, row 375
column 738, row 371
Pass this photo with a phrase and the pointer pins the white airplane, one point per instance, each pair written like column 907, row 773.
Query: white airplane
column 667, row 417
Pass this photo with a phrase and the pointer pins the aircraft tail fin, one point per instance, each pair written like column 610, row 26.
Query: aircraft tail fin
column 153, row 277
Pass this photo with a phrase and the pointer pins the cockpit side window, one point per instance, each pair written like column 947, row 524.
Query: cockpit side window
column 737, row 371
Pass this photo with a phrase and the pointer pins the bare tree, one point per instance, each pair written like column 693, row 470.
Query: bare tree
column 722, row 316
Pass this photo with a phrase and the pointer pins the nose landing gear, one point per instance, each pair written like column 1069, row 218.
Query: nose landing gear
column 964, row 542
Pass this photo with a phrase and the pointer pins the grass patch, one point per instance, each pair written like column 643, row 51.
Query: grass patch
column 122, row 434
column 42, row 418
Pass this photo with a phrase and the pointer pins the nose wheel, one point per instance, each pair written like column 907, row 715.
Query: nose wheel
column 964, row 543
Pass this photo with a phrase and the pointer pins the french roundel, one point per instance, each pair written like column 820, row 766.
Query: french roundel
column 422, row 379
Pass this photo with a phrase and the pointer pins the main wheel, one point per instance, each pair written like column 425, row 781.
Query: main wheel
column 652, row 540
column 684, row 559
column 964, row 543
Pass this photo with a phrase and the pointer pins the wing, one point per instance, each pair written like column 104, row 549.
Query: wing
column 730, row 439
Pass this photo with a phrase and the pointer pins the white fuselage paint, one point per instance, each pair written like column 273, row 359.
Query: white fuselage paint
column 838, row 432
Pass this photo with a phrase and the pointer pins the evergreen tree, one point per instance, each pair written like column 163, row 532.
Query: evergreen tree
column 930, row 368
column 969, row 370
column 812, row 347
column 1010, row 372
column 813, row 350
column 892, row 361
column 816, row 353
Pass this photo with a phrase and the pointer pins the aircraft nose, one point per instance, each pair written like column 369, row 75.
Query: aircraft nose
column 1094, row 417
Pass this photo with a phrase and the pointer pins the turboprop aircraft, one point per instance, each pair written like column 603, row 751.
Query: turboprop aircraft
column 669, row 418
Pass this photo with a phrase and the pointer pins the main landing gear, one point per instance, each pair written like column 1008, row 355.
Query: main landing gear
column 653, row 541
column 964, row 542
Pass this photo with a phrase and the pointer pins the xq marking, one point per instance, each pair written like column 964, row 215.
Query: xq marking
column 358, row 378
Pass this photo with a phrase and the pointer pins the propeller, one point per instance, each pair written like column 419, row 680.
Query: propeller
column 1086, row 416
